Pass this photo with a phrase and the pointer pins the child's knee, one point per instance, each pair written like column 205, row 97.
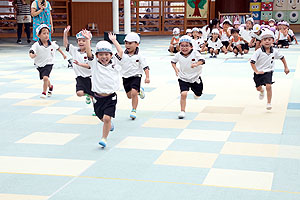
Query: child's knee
column 45, row 78
column 106, row 119
column 134, row 92
column 268, row 86
column 184, row 94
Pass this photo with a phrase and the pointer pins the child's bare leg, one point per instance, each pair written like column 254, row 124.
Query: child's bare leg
column 235, row 51
column 246, row 51
column 183, row 100
column 257, row 45
column 177, row 48
column 134, row 97
column 230, row 49
column 240, row 49
column 128, row 95
column 211, row 51
column 106, row 126
column 216, row 52
column 171, row 48
column 269, row 92
column 46, row 83
column 260, row 89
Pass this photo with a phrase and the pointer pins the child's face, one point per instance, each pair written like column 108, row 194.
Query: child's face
column 195, row 33
column 104, row 57
column 235, row 34
column 226, row 26
column 176, row 36
column 189, row 34
column 284, row 27
column 131, row 46
column 267, row 42
column 236, row 26
column 44, row 35
column 249, row 25
column 185, row 47
column 200, row 34
column 215, row 36
column 81, row 43
column 271, row 24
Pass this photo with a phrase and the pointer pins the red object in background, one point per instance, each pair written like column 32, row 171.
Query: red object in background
column 267, row 6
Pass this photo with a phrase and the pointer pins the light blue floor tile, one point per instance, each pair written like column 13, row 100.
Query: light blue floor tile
column 294, row 106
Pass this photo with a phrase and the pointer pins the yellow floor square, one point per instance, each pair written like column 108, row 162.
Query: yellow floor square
column 79, row 119
column 204, row 135
column 58, row 110
column 2, row 72
column 50, row 166
column 217, row 117
column 145, row 143
column 36, row 102
column 187, row 159
column 239, row 179
column 223, row 110
column 167, row 123
column 29, row 81
column 250, row 149
column 48, row 138
column 22, row 197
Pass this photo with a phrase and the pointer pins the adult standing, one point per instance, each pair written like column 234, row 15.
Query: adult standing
column 22, row 8
column 41, row 13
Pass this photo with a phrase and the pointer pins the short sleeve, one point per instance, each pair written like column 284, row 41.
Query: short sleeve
column 71, row 49
column 33, row 5
column 55, row 45
column 33, row 48
column 175, row 59
column 199, row 57
column 255, row 56
column 220, row 44
column 277, row 54
column 291, row 32
column 209, row 42
column 143, row 62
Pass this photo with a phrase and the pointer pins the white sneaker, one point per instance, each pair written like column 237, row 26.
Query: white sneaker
column 261, row 94
column 142, row 93
column 196, row 97
column 269, row 106
column 133, row 114
column 43, row 96
column 181, row 115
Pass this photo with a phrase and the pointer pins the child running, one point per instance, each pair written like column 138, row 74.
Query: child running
column 190, row 62
column 80, row 66
column 105, row 69
column 263, row 64
column 133, row 65
column 43, row 53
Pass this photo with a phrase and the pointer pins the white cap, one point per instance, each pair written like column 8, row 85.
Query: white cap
column 250, row 19
column 39, row 28
column 132, row 37
column 236, row 22
column 186, row 38
column 215, row 31
column 195, row 29
column 176, row 31
column 272, row 20
column 188, row 30
column 103, row 46
column 267, row 34
column 256, row 28
column 227, row 20
column 80, row 35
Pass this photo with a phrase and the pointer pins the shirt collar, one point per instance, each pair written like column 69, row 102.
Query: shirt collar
column 135, row 52
column 41, row 44
column 263, row 49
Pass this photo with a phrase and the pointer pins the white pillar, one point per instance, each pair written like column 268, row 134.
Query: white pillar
column 127, row 17
column 115, row 16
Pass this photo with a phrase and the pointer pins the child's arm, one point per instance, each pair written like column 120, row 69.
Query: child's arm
column 32, row 54
column 230, row 43
column 62, row 53
column 175, row 68
column 82, row 64
column 286, row 69
column 88, row 49
column 113, row 38
column 224, row 49
column 255, row 70
column 147, row 79
column 295, row 39
column 65, row 38
column 200, row 62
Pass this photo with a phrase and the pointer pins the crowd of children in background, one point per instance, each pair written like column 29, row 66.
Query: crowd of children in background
column 234, row 37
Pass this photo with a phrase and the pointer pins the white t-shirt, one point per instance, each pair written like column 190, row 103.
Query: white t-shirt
column 197, row 43
column 263, row 61
column 45, row 55
column 186, row 72
column 215, row 45
column 291, row 32
column 33, row 5
column 282, row 37
column 133, row 65
column 80, row 57
column 205, row 33
column 254, row 35
column 246, row 34
column 224, row 36
column 105, row 79
column 238, row 42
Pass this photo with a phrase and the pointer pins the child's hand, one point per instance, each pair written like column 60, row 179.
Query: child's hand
column 65, row 57
column 76, row 62
column 112, row 37
column 86, row 34
column 286, row 70
column 259, row 72
column 67, row 29
column 177, row 71
column 194, row 65
column 147, row 80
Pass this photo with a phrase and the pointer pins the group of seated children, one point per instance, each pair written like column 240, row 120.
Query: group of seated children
column 233, row 37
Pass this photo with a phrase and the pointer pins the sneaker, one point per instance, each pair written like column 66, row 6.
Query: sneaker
column 43, row 95
column 133, row 114
column 172, row 54
column 19, row 41
column 214, row 56
column 142, row 93
column 112, row 127
column 94, row 114
column 211, row 56
column 28, row 41
column 196, row 97
column 269, row 106
column 102, row 142
column 261, row 94
column 181, row 115
column 50, row 91
column 88, row 99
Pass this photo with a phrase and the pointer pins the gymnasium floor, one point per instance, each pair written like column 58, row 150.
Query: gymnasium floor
column 229, row 147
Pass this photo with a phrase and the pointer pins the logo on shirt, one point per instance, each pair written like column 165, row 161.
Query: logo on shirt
column 137, row 61
column 85, row 57
column 51, row 49
column 193, row 59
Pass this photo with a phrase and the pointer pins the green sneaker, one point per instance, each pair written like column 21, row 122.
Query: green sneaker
column 88, row 99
